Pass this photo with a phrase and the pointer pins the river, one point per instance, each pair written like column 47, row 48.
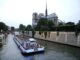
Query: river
column 53, row 51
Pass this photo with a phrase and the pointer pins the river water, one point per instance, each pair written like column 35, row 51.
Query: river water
column 53, row 51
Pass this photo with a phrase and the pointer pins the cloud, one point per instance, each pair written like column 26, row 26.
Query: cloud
column 14, row 12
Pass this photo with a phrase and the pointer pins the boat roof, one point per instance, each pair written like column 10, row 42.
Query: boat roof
column 31, row 39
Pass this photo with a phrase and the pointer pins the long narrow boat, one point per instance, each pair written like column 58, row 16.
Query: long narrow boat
column 29, row 46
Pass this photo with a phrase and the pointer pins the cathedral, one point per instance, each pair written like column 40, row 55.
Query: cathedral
column 36, row 17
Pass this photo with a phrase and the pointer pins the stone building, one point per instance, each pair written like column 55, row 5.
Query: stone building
column 36, row 17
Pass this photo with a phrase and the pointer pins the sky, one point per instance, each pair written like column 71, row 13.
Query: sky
column 16, row 12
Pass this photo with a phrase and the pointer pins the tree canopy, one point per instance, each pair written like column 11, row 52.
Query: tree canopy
column 3, row 27
column 12, row 28
column 21, row 27
column 28, row 28
column 44, row 24
column 70, row 23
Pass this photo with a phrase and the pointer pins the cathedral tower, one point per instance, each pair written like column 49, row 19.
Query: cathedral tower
column 46, row 11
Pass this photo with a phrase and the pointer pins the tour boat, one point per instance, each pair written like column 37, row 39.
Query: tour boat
column 28, row 46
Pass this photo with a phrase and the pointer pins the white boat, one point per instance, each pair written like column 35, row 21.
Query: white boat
column 29, row 46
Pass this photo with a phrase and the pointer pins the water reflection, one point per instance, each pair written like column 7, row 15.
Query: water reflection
column 29, row 57
column 53, row 51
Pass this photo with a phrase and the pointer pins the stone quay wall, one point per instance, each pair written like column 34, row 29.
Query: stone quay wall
column 61, row 37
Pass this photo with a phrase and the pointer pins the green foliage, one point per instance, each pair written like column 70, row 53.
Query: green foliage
column 29, row 28
column 44, row 25
column 42, row 21
column 33, row 33
column 3, row 26
column 21, row 27
column 12, row 28
column 78, row 26
column 70, row 24
column 61, row 23
column 66, row 28
column 77, row 29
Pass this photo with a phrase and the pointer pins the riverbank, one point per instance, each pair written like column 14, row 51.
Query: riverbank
column 68, row 38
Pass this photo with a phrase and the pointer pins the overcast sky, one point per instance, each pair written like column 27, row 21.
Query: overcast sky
column 15, row 12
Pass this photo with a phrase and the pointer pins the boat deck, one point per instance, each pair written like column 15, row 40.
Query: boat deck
column 28, row 46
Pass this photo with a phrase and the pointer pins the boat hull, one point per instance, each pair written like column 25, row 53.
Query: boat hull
column 28, row 51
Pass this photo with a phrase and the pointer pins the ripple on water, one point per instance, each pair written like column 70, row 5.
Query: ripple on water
column 53, row 51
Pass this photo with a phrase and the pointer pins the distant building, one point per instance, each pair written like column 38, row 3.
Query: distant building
column 36, row 17
column 54, row 18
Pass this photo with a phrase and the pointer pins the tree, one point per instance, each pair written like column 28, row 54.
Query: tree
column 66, row 28
column 40, row 25
column 50, row 25
column 44, row 24
column 61, row 23
column 28, row 28
column 21, row 27
column 70, row 23
column 78, row 22
column 78, row 26
column 3, row 27
column 12, row 28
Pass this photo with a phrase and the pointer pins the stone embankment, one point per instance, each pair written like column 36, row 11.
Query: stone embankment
column 61, row 37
